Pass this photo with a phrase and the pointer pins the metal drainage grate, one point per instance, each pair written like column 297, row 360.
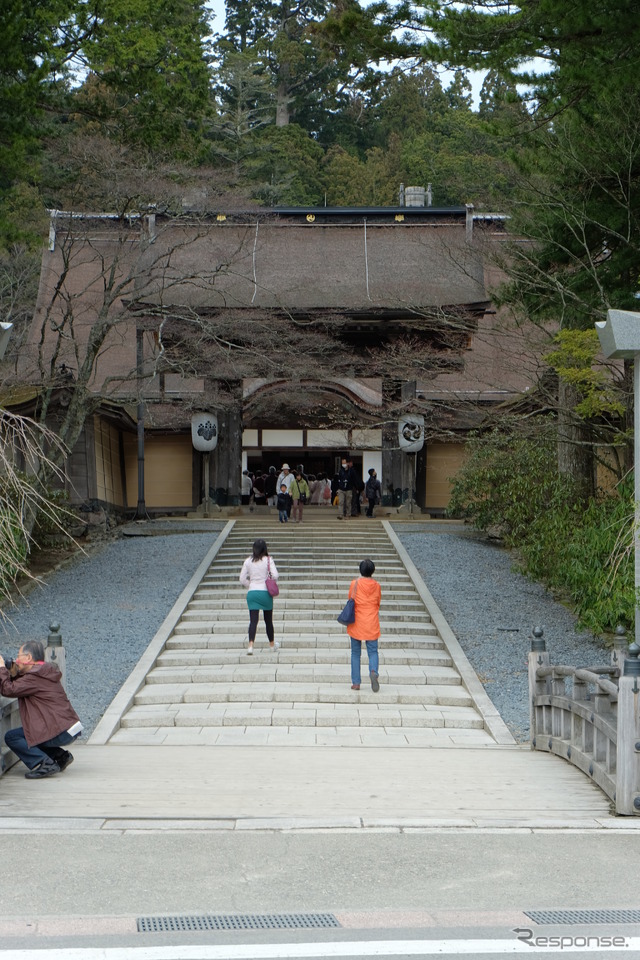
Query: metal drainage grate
column 584, row 916
column 241, row 921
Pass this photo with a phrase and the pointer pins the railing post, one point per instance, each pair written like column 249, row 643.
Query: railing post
column 538, row 657
column 628, row 747
column 55, row 652
column 619, row 649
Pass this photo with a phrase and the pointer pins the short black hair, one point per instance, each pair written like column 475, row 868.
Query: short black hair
column 367, row 568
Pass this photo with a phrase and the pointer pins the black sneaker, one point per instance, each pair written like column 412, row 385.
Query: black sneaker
column 45, row 769
column 375, row 686
column 64, row 762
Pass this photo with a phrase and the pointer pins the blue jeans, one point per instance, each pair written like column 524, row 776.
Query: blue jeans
column 356, row 653
column 283, row 516
column 33, row 756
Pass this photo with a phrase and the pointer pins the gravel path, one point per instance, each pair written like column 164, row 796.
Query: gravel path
column 111, row 603
column 492, row 609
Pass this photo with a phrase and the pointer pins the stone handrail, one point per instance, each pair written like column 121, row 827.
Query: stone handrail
column 595, row 725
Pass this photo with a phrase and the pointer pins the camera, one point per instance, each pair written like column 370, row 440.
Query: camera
column 9, row 663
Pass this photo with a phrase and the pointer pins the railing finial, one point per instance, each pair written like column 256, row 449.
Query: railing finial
column 620, row 636
column 538, row 643
column 631, row 663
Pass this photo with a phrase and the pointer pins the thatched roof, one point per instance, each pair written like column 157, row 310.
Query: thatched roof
column 302, row 266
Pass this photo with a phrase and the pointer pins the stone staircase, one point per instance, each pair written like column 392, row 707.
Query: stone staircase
column 204, row 689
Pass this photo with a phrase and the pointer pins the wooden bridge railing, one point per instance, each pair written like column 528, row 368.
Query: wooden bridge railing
column 591, row 717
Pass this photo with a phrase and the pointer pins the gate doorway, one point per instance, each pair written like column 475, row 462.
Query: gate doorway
column 313, row 462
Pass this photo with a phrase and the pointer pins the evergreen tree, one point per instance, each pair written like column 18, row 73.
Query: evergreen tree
column 313, row 50
column 582, row 47
column 578, row 198
column 244, row 105
column 36, row 40
column 151, row 61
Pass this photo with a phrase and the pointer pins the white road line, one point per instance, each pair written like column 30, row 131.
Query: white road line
column 372, row 948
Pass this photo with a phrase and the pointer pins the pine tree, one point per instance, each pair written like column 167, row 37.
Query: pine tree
column 578, row 203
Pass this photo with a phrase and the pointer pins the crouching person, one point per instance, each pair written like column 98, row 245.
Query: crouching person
column 49, row 722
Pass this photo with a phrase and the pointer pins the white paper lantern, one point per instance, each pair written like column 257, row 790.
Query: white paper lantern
column 5, row 333
column 411, row 433
column 204, row 431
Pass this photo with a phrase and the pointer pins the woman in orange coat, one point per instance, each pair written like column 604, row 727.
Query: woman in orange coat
column 366, row 626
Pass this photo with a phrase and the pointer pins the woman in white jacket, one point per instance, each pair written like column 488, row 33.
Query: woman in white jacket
column 253, row 575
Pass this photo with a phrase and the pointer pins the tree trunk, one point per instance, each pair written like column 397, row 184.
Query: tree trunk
column 283, row 108
column 575, row 445
column 627, row 463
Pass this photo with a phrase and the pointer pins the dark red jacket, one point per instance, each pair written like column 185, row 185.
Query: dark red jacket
column 45, row 710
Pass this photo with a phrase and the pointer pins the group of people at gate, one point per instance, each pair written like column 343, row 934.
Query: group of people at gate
column 291, row 490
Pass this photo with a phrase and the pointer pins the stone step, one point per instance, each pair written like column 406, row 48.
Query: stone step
column 274, row 692
column 295, row 626
column 336, row 596
column 296, row 572
column 204, row 610
column 209, row 641
column 252, row 671
column 318, row 554
column 249, row 531
column 293, row 601
column 334, row 547
column 249, row 713
column 426, row 657
column 204, row 686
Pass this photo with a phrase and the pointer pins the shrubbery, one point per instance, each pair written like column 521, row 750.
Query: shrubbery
column 27, row 515
column 15, row 547
column 28, row 508
column 585, row 553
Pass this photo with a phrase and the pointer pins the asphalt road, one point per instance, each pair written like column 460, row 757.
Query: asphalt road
column 132, row 873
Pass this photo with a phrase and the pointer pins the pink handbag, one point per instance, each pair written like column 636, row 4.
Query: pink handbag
column 270, row 583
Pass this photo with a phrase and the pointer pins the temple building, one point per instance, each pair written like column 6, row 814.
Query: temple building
column 303, row 333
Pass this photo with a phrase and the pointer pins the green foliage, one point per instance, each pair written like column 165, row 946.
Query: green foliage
column 597, row 565
column 578, row 197
column 26, row 514
column 350, row 181
column 54, row 518
column 510, row 482
column 35, row 39
column 151, row 62
column 573, row 357
column 564, row 50
column 287, row 168
column 506, row 480
column 461, row 157
column 15, row 547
